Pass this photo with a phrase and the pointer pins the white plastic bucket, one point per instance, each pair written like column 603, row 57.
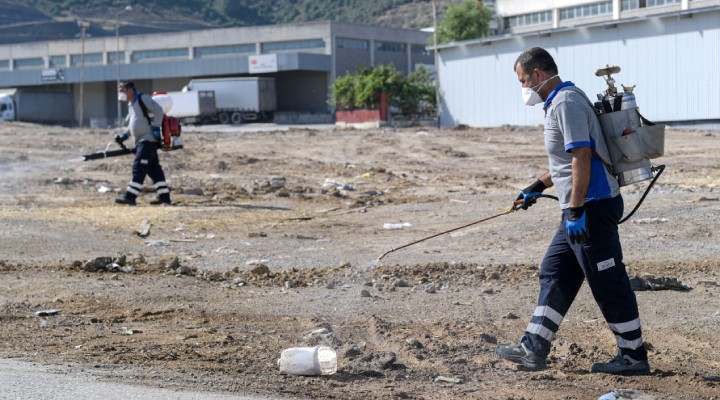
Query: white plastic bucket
column 318, row 360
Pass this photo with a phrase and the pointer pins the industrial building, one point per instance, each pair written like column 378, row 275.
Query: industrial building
column 303, row 58
column 668, row 49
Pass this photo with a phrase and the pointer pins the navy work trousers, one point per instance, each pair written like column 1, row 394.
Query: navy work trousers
column 600, row 262
column 147, row 163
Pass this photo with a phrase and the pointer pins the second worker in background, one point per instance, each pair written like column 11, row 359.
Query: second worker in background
column 146, row 133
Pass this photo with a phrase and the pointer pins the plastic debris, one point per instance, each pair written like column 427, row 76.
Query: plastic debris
column 662, row 283
column 47, row 313
column 397, row 226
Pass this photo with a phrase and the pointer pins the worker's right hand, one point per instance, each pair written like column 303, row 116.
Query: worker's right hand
column 530, row 194
column 120, row 138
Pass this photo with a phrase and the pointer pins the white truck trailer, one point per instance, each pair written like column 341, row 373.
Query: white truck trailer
column 194, row 107
column 239, row 99
column 39, row 106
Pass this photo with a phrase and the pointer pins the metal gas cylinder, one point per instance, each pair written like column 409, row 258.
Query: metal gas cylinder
column 628, row 98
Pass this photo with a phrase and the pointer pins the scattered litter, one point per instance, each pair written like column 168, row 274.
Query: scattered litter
column 374, row 193
column 257, row 262
column 47, row 313
column 240, row 281
column 626, row 394
column 184, row 240
column 129, row 331
column 331, row 183
column 448, row 379
column 63, row 181
column 115, row 267
column 460, row 201
column 257, row 234
column 154, row 243
column 366, row 175
column 662, row 283
column 180, row 228
column 103, row 189
column 396, row 226
column 276, row 182
column 656, row 220
column 144, row 229
column 422, row 133
column 712, row 378
column 319, row 360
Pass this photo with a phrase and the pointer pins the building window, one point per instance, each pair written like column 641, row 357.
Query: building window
column 587, row 10
column 140, row 56
column 658, row 3
column 116, row 57
column 58, row 61
column 293, row 45
column 390, row 47
column 420, row 49
column 90, row 58
column 543, row 17
column 210, row 51
column 354, row 44
column 29, row 63
column 4, row 64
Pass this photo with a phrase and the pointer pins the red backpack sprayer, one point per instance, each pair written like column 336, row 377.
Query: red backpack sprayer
column 631, row 139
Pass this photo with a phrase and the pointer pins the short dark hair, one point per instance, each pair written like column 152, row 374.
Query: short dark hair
column 536, row 57
column 128, row 85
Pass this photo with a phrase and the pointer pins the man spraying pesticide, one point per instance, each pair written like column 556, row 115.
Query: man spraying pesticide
column 151, row 131
column 593, row 150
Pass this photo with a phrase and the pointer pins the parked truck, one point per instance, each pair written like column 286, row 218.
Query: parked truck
column 39, row 106
column 239, row 99
column 194, row 107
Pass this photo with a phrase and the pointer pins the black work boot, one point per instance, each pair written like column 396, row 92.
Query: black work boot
column 162, row 199
column 518, row 354
column 127, row 200
column 622, row 365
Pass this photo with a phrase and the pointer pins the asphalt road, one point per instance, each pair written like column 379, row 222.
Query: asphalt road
column 28, row 381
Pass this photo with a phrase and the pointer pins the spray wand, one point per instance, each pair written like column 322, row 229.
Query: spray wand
column 516, row 206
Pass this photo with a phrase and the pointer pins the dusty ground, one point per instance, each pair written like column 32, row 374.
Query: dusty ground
column 206, row 332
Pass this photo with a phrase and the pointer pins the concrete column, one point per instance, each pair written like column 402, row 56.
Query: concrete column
column 617, row 4
column 372, row 52
column 408, row 52
column 685, row 4
column 556, row 18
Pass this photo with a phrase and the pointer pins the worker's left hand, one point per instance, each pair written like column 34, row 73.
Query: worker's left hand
column 576, row 225
column 156, row 132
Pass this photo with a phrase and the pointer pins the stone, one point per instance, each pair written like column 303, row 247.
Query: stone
column 430, row 288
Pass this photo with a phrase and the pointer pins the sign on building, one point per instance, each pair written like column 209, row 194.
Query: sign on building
column 261, row 64
column 51, row 75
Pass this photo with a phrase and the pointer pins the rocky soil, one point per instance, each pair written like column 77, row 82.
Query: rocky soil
column 273, row 242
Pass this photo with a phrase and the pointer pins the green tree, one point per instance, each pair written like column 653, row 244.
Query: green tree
column 464, row 21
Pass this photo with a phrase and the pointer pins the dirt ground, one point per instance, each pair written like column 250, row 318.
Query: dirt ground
column 246, row 264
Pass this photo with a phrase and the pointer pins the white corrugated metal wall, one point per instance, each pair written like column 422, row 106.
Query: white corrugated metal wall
column 672, row 61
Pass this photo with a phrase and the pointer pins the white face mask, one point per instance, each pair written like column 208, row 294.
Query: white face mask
column 530, row 95
column 122, row 96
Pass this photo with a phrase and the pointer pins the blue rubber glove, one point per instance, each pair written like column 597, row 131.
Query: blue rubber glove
column 529, row 194
column 576, row 225
column 156, row 132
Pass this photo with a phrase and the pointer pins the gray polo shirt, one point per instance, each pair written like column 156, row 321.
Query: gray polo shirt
column 138, row 125
column 571, row 122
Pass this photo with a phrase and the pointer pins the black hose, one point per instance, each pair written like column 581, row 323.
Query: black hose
column 659, row 169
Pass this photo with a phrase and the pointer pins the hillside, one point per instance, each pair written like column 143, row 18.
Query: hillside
column 36, row 20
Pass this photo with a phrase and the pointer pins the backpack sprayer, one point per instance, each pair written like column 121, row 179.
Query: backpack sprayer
column 170, row 131
column 631, row 139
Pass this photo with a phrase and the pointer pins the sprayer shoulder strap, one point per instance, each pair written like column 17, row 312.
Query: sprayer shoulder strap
column 143, row 107
column 608, row 166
